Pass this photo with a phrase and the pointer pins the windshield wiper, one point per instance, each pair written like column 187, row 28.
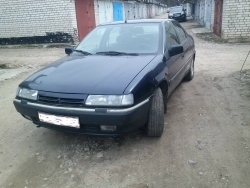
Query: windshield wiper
column 83, row 52
column 116, row 53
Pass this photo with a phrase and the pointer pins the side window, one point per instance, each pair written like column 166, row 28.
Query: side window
column 171, row 36
column 181, row 33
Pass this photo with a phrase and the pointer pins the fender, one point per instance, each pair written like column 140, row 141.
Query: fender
column 145, row 83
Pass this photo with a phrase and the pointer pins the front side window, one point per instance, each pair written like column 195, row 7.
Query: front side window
column 181, row 33
column 171, row 37
column 141, row 38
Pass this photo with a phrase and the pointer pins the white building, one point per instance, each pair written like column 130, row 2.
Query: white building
column 30, row 21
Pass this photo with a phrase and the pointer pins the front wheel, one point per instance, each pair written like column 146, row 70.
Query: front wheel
column 155, row 124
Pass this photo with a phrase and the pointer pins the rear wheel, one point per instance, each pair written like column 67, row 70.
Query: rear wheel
column 155, row 124
column 190, row 74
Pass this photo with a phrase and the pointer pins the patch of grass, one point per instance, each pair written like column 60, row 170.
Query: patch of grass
column 3, row 66
column 210, row 37
column 242, row 83
column 241, row 40
column 57, row 45
column 19, row 46
column 197, row 26
column 49, row 45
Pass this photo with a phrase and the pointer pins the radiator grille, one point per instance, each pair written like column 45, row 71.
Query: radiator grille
column 60, row 101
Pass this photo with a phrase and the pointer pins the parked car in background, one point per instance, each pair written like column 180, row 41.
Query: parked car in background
column 177, row 13
column 116, row 80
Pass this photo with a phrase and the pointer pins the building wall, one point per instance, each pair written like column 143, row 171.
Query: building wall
column 131, row 10
column 37, row 21
column 188, row 8
column 236, row 19
column 58, row 21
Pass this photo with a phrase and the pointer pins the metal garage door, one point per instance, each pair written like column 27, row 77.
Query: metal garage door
column 202, row 12
column 118, row 11
column 208, row 13
column 105, row 9
column 218, row 7
column 127, row 11
column 85, row 16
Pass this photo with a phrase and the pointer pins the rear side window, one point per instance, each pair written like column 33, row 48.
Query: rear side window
column 171, row 36
column 181, row 33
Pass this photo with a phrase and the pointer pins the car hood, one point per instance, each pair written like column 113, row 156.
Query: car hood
column 94, row 74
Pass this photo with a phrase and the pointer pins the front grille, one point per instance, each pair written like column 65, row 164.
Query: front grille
column 175, row 15
column 90, row 128
column 60, row 101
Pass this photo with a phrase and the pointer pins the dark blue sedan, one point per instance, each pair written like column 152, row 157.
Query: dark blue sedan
column 116, row 80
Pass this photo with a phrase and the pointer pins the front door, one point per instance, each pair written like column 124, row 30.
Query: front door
column 118, row 11
column 218, row 4
column 174, row 63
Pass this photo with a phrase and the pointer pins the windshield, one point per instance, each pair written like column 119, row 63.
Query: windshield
column 175, row 9
column 141, row 38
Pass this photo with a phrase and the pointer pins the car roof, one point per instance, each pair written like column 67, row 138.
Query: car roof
column 137, row 21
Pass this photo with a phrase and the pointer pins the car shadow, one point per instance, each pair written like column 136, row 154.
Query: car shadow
column 94, row 144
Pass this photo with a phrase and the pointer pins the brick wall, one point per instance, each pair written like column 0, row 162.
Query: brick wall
column 28, row 18
column 236, row 19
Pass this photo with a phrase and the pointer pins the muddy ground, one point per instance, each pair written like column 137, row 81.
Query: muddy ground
column 206, row 141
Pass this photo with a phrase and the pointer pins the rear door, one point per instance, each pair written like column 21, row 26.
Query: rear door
column 174, row 63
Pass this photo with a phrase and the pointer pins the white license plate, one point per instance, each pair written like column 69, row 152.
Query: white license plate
column 59, row 120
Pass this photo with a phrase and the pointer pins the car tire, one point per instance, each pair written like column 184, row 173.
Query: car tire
column 190, row 74
column 155, row 124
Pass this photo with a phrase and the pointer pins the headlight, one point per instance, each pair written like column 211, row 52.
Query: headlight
column 110, row 100
column 27, row 93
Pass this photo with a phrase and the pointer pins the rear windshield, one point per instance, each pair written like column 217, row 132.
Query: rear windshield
column 176, row 9
column 141, row 38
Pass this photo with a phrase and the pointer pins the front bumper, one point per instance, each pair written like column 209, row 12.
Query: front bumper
column 125, row 119
column 178, row 18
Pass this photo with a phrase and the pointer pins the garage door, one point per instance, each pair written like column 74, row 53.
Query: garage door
column 118, row 11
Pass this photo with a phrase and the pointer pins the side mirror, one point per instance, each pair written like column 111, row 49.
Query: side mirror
column 168, row 11
column 69, row 50
column 185, row 9
column 175, row 50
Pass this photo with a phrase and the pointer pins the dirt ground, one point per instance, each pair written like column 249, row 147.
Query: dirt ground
column 205, row 144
